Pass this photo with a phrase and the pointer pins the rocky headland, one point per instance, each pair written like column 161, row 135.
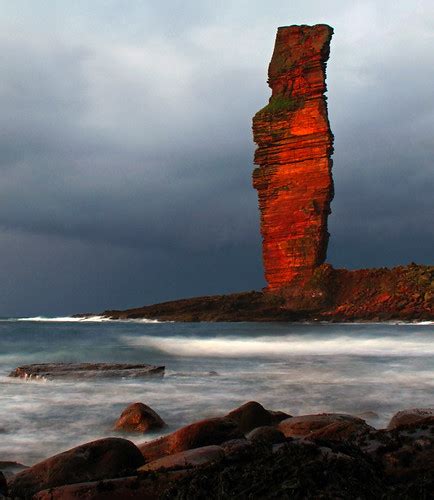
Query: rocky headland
column 251, row 452
column 404, row 293
column 295, row 188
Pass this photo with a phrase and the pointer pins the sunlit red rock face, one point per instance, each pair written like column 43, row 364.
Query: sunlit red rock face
column 293, row 177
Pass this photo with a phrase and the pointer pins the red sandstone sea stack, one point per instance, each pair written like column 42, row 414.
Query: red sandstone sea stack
column 293, row 178
column 295, row 188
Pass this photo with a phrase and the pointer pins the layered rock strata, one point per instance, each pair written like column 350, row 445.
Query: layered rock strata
column 293, row 177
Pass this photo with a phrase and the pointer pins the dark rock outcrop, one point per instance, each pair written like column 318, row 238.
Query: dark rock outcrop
column 49, row 371
column 139, row 417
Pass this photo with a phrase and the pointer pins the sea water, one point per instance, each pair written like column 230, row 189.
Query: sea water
column 211, row 368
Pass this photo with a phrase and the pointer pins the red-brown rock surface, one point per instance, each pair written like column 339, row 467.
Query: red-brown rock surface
column 139, row 417
column 293, row 177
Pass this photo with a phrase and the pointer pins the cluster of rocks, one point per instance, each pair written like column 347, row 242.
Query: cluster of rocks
column 251, row 452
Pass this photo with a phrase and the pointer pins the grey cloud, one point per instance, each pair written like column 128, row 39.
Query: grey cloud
column 126, row 149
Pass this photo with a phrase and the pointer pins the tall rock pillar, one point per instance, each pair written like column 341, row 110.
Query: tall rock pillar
column 295, row 143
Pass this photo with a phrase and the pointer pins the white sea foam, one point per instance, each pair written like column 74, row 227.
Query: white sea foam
column 84, row 319
column 291, row 345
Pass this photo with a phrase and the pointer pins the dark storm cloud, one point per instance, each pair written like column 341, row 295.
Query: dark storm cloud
column 126, row 150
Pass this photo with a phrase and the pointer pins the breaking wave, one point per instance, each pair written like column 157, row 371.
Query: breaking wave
column 86, row 319
column 281, row 347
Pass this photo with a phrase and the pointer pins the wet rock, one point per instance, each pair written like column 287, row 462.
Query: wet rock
column 101, row 459
column 249, row 416
column 410, row 452
column 236, row 449
column 48, row 371
column 11, row 468
column 266, row 434
column 295, row 470
column 211, row 431
column 186, row 459
column 3, row 485
column 333, row 426
column 410, row 416
column 278, row 416
column 139, row 417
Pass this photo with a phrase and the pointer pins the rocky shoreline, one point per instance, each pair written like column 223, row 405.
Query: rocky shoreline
column 251, row 452
column 403, row 293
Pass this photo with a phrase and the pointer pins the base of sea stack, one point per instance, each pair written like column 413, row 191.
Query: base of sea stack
column 404, row 293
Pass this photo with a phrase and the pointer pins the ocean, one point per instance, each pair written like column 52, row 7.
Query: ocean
column 211, row 368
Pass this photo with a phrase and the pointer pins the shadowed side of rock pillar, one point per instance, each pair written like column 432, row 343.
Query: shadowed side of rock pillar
column 293, row 157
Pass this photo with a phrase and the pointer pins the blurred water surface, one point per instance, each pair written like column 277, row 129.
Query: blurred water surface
column 298, row 368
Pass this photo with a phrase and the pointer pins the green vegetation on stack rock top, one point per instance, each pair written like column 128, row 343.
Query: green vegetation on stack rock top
column 280, row 104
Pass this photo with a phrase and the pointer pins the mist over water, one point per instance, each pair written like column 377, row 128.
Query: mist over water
column 297, row 368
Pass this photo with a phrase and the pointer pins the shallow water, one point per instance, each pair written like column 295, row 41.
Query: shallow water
column 297, row 368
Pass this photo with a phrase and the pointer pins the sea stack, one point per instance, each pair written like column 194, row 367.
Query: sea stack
column 295, row 144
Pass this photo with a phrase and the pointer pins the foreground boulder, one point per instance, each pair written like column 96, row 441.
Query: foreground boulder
column 332, row 426
column 48, row 371
column 410, row 416
column 101, row 459
column 125, row 488
column 139, row 417
column 211, row 431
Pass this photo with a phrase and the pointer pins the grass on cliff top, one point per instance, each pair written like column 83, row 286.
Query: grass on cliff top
column 278, row 104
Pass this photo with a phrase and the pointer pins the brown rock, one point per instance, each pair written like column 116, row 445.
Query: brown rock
column 101, row 459
column 266, row 434
column 9, row 468
column 3, row 485
column 249, row 416
column 293, row 178
column 125, row 488
column 139, row 417
column 410, row 416
column 186, row 459
column 333, row 426
column 237, row 449
column 410, row 453
column 211, row 431
column 278, row 416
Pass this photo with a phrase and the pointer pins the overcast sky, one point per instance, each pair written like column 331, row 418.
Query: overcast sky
column 126, row 146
